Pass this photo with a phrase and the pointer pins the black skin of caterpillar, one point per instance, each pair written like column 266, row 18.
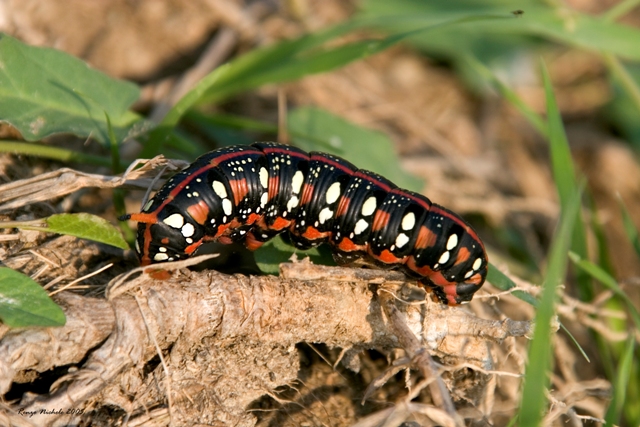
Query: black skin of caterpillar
column 253, row 193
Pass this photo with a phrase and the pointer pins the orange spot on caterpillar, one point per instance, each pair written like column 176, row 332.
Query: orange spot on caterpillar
column 252, row 243
column 347, row 245
column 387, row 257
column 239, row 189
column 280, row 223
column 463, row 255
column 199, row 212
column 380, row 220
column 426, row 238
column 313, row 233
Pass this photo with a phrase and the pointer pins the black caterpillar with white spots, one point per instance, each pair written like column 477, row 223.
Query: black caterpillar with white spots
column 252, row 193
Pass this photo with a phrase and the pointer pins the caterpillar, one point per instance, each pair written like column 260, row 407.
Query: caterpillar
column 253, row 193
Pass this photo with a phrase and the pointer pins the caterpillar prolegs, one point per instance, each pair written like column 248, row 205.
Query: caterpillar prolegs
column 252, row 193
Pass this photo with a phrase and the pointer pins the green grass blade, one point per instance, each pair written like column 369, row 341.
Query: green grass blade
column 53, row 153
column 507, row 93
column 575, row 342
column 286, row 61
column 624, row 78
column 619, row 10
column 599, row 232
column 492, row 39
column 540, row 352
column 630, row 228
column 498, row 279
column 606, row 279
column 624, row 374
column 23, row 302
column 504, row 283
column 565, row 177
column 561, row 162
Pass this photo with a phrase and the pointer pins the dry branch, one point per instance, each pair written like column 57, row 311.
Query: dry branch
column 226, row 341
column 61, row 182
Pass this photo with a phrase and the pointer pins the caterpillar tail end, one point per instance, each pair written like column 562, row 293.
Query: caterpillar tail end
column 144, row 218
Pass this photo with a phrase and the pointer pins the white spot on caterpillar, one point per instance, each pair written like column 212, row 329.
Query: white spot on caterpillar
column 444, row 257
column 369, row 206
column 189, row 240
column 324, row 215
column 333, row 193
column 296, row 182
column 162, row 249
column 175, row 220
column 452, row 242
column 188, row 230
column 264, row 177
column 160, row 257
column 469, row 274
column 264, row 199
column 401, row 240
column 227, row 207
column 409, row 221
column 361, row 225
column 477, row 264
column 293, row 202
column 219, row 189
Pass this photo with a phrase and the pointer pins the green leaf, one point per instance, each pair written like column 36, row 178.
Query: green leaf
column 540, row 352
column 276, row 251
column 83, row 225
column 86, row 226
column 316, row 129
column 44, row 91
column 24, row 303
